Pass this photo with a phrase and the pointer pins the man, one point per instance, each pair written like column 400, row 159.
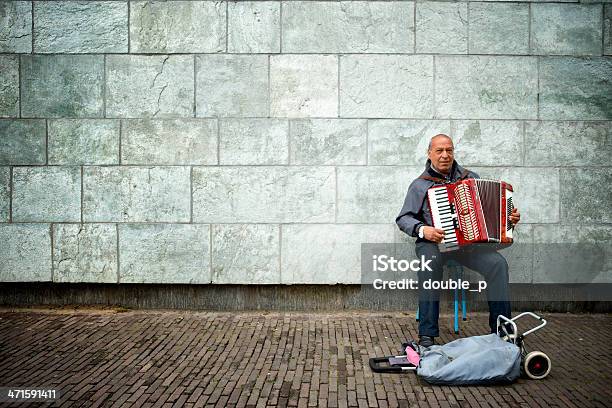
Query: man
column 415, row 220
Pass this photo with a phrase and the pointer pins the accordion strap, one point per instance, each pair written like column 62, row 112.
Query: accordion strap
column 437, row 180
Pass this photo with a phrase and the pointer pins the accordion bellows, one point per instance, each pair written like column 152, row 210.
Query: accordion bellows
column 472, row 211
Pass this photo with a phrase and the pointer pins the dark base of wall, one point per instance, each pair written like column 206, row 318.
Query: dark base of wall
column 541, row 297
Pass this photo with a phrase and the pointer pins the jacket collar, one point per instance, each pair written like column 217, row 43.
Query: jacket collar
column 454, row 173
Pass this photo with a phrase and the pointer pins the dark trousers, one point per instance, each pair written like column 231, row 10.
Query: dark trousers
column 489, row 263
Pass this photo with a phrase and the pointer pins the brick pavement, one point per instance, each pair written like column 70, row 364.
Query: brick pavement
column 104, row 358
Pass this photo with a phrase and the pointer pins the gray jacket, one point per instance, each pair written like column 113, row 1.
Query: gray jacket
column 415, row 211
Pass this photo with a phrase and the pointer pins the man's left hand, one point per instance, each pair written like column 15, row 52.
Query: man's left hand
column 515, row 217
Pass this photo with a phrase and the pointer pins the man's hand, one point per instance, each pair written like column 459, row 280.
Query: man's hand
column 515, row 216
column 433, row 234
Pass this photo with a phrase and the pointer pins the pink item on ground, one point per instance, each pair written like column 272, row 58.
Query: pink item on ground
column 412, row 356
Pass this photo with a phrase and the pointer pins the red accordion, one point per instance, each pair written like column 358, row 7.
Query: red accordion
column 472, row 211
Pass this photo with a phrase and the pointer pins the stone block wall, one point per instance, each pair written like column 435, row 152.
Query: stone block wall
column 261, row 142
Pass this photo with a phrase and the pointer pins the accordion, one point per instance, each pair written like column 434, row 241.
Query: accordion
column 472, row 211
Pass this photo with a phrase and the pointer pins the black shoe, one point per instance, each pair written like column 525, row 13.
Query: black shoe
column 426, row 341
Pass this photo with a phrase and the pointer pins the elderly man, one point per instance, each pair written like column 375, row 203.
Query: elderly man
column 415, row 220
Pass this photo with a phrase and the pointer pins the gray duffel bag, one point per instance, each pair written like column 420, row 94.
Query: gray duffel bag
column 476, row 360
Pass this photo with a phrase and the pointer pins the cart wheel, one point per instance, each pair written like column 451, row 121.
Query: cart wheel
column 536, row 365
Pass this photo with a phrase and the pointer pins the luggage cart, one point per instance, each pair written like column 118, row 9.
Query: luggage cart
column 535, row 364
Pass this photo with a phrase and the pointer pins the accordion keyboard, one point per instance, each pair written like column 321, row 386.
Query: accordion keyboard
column 443, row 216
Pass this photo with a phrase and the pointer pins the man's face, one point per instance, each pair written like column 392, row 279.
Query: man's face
column 441, row 154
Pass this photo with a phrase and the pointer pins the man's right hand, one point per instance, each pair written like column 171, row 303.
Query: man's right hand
column 433, row 234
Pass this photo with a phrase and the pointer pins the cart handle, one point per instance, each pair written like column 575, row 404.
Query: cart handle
column 535, row 316
column 381, row 365
column 512, row 322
